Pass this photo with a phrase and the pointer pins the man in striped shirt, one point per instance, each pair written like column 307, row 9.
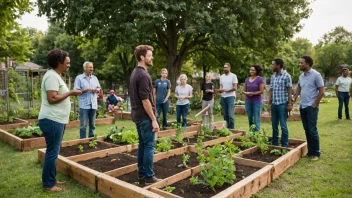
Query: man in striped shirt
column 280, row 101
column 90, row 87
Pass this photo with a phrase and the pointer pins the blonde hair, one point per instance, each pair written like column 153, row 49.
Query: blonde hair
column 183, row 76
column 208, row 74
column 164, row 69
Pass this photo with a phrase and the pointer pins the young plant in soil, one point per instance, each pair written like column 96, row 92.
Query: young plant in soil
column 206, row 131
column 80, row 148
column 28, row 131
column 179, row 137
column 122, row 135
column 185, row 158
column 217, row 168
column 278, row 151
column 164, row 144
column 93, row 143
column 223, row 132
column 169, row 189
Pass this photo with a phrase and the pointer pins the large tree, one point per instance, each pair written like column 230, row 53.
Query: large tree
column 180, row 26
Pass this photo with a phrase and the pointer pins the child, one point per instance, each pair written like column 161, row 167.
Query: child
column 113, row 101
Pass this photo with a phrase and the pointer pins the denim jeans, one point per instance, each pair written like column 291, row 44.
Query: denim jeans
column 309, row 116
column 253, row 112
column 210, row 113
column 227, row 105
column 182, row 110
column 344, row 98
column 165, row 108
column 53, row 133
column 145, row 148
column 279, row 115
column 86, row 115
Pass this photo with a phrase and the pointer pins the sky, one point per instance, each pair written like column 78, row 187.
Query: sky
column 326, row 15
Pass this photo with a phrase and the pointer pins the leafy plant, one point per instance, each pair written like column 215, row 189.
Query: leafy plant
column 164, row 144
column 122, row 135
column 185, row 158
column 28, row 131
column 179, row 137
column 80, row 148
column 247, row 144
column 94, row 142
column 169, row 189
column 278, row 151
column 206, row 131
column 223, row 132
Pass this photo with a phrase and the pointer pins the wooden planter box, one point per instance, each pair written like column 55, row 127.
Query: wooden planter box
column 22, row 144
column 18, row 123
column 240, row 109
column 266, row 117
column 121, row 115
column 76, row 123
column 280, row 165
column 244, row 188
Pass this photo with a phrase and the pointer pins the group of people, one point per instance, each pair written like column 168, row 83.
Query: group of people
column 148, row 101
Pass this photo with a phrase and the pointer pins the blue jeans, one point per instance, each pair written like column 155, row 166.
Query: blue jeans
column 279, row 115
column 309, row 116
column 253, row 112
column 344, row 98
column 227, row 105
column 146, row 147
column 86, row 115
column 182, row 110
column 53, row 133
column 165, row 108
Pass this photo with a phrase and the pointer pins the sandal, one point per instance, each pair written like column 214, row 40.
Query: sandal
column 54, row 189
column 60, row 182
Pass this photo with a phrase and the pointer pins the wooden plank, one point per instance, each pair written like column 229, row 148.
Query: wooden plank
column 249, row 150
column 164, row 155
column 123, row 170
column 203, row 110
column 75, row 142
column 113, row 187
column 10, row 139
column 33, row 143
column 41, row 155
column 249, row 185
column 163, row 193
column 98, row 154
column 281, row 164
column 249, row 162
column 171, row 180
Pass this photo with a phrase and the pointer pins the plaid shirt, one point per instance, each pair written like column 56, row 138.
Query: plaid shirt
column 278, row 85
column 87, row 100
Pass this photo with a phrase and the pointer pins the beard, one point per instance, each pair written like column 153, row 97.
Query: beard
column 149, row 64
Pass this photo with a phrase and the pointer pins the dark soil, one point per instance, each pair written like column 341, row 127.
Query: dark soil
column 175, row 146
column 163, row 168
column 193, row 140
column 133, row 152
column 14, row 122
column 184, row 188
column 267, row 157
column 109, row 162
column 111, row 142
column 73, row 150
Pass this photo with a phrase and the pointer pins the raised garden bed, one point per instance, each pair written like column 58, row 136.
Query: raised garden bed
column 240, row 109
column 68, row 151
column 22, row 144
column 98, row 121
column 265, row 117
column 17, row 123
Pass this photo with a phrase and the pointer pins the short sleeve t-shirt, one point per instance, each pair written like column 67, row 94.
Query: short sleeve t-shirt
column 162, row 87
column 60, row 111
column 309, row 83
column 227, row 83
column 183, row 91
column 207, row 96
column 254, row 87
column 344, row 84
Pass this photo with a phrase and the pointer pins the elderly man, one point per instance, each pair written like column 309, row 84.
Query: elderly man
column 90, row 87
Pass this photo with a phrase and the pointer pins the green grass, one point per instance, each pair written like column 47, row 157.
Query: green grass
column 331, row 176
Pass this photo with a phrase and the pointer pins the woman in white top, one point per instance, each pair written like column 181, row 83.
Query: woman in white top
column 183, row 93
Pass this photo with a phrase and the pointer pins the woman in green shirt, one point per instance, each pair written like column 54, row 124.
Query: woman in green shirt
column 54, row 113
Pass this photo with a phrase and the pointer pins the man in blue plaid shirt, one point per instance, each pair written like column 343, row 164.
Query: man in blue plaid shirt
column 280, row 101
column 88, row 104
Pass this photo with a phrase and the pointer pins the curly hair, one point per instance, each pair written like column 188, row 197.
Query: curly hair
column 141, row 50
column 55, row 57
column 258, row 69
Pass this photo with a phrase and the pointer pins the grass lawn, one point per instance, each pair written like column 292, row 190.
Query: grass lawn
column 331, row 176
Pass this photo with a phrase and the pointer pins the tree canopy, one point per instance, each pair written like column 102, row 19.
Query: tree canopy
column 177, row 27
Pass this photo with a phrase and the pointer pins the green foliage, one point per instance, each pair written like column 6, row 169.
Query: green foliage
column 94, row 142
column 179, row 137
column 223, row 132
column 80, row 148
column 240, row 102
column 279, row 151
column 169, row 189
column 247, row 144
column 164, row 144
column 206, row 131
column 185, row 158
column 122, row 135
column 28, row 131
column 217, row 168
column 195, row 101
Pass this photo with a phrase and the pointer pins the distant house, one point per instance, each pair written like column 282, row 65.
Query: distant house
column 26, row 67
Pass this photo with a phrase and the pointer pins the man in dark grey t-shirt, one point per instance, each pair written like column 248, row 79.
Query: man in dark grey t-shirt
column 143, row 113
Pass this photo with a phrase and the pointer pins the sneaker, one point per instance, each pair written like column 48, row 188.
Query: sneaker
column 152, row 180
column 307, row 156
column 315, row 158
column 141, row 179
